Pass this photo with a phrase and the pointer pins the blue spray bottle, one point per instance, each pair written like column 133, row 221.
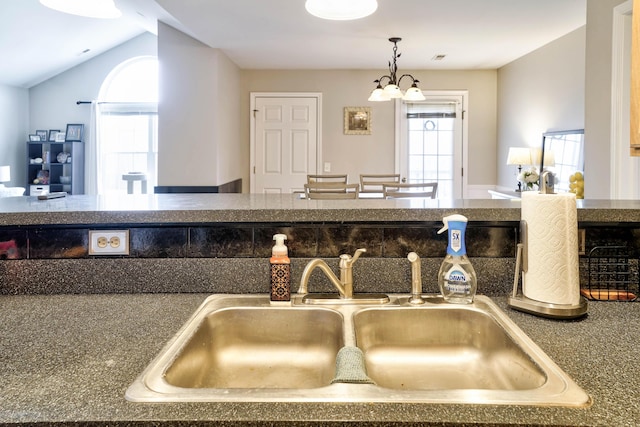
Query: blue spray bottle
column 456, row 278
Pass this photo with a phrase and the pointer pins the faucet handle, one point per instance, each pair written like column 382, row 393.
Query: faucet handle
column 347, row 260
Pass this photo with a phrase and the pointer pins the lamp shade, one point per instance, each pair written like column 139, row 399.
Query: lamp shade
column 393, row 91
column 519, row 156
column 379, row 94
column 5, row 173
column 413, row 94
column 549, row 157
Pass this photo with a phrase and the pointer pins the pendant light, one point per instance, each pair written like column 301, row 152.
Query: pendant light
column 392, row 89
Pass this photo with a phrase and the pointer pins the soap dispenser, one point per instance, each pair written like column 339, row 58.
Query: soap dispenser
column 280, row 270
column 456, row 278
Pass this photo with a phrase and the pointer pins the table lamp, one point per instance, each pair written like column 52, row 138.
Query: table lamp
column 519, row 156
column 5, row 175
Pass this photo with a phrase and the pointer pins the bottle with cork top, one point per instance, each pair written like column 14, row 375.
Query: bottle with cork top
column 280, row 270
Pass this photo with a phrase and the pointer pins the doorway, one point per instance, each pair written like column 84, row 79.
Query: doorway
column 285, row 141
column 431, row 141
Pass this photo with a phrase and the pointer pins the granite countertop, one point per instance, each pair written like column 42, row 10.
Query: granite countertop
column 68, row 359
column 203, row 208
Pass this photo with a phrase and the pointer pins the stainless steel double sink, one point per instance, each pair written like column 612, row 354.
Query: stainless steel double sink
column 243, row 348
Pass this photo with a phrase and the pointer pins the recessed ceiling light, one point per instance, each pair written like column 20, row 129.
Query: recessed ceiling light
column 341, row 10
column 105, row 9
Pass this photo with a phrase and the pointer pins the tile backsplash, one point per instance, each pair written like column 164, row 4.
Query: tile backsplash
column 232, row 257
column 255, row 240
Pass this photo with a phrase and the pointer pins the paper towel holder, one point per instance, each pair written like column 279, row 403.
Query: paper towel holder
column 519, row 302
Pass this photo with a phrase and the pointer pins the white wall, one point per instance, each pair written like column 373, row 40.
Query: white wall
column 52, row 104
column 230, row 154
column 542, row 91
column 14, row 122
column 198, row 132
column 355, row 154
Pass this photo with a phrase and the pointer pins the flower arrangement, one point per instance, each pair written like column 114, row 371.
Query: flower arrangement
column 529, row 178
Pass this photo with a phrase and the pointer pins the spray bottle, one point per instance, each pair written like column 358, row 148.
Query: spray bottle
column 456, row 278
column 280, row 270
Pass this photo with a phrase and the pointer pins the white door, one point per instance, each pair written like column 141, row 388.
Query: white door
column 285, row 141
column 431, row 141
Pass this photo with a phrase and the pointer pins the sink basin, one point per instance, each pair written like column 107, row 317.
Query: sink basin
column 442, row 348
column 259, row 348
column 240, row 348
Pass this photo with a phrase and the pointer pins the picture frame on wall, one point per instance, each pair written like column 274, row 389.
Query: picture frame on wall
column 52, row 134
column 74, row 133
column 357, row 120
column 43, row 134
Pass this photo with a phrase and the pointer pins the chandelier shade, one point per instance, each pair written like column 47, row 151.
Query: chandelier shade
column 391, row 90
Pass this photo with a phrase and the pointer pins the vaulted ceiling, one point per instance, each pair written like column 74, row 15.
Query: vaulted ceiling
column 37, row 43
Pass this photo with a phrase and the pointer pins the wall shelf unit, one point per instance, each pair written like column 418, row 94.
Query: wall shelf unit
column 55, row 166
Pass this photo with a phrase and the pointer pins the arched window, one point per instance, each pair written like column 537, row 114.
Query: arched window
column 127, row 125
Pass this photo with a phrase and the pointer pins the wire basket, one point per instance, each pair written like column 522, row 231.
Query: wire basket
column 613, row 275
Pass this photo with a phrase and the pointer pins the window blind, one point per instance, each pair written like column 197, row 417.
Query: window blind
column 430, row 110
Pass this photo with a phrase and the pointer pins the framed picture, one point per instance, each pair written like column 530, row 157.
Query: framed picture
column 34, row 138
column 52, row 134
column 357, row 120
column 43, row 134
column 74, row 133
column 60, row 137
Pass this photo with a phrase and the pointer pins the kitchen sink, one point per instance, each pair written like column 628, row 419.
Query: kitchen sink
column 260, row 348
column 242, row 348
column 442, row 348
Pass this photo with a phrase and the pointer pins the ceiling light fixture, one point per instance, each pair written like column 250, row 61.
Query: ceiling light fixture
column 104, row 9
column 392, row 88
column 341, row 10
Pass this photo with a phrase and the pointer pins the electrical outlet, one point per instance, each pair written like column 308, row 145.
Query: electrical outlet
column 327, row 166
column 108, row 242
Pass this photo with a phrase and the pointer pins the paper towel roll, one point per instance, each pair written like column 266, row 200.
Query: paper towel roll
column 552, row 274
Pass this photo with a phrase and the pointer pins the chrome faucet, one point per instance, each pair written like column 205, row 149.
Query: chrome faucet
column 344, row 285
column 547, row 181
column 416, row 279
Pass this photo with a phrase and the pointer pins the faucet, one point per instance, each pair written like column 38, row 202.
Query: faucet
column 547, row 181
column 344, row 285
column 416, row 279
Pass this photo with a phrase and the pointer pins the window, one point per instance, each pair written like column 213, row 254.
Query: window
column 127, row 125
column 563, row 155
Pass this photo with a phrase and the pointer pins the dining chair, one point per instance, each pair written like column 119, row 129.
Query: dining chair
column 373, row 183
column 328, row 178
column 400, row 190
column 331, row 190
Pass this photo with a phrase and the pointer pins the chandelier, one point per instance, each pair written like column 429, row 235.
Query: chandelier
column 392, row 88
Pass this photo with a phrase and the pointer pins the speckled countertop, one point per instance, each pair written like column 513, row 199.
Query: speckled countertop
column 203, row 208
column 68, row 359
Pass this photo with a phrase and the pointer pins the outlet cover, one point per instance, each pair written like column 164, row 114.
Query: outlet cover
column 108, row 242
